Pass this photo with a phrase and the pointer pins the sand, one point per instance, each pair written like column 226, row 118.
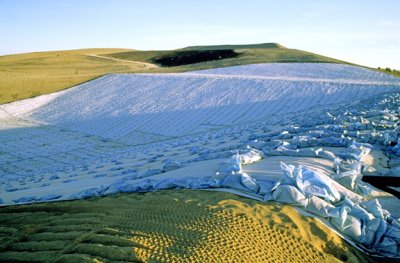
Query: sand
column 167, row 226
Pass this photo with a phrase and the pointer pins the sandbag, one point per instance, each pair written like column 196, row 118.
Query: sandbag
column 347, row 179
column 289, row 194
column 306, row 152
column 321, row 208
column 373, row 231
column 234, row 181
column 251, row 156
column 357, row 211
column 311, row 182
column 302, row 141
column 289, row 177
column 171, row 165
column 325, row 154
column 267, row 186
column 347, row 224
column 374, row 207
column 249, row 182
column 229, row 166
column 387, row 247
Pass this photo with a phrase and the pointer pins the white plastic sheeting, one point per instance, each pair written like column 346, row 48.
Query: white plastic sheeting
column 311, row 183
column 137, row 133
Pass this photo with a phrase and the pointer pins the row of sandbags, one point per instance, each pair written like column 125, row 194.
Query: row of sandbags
column 355, row 131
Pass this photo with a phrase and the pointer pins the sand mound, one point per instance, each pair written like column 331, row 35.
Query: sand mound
column 167, row 226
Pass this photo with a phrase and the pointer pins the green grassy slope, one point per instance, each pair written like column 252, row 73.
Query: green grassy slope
column 248, row 54
column 393, row 72
column 217, row 47
column 28, row 75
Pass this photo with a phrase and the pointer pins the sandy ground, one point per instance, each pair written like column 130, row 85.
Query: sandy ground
column 168, row 226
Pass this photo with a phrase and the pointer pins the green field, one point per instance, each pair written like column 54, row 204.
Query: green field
column 28, row 75
column 248, row 54
column 32, row 74
column 393, row 72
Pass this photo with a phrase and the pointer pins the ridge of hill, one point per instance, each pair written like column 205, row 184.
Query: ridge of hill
column 241, row 46
column 237, row 55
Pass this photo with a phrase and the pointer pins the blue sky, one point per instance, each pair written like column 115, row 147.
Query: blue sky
column 365, row 32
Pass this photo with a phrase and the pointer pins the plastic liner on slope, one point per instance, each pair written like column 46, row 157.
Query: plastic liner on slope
column 304, row 188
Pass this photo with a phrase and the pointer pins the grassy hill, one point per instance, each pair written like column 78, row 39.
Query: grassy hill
column 252, row 46
column 245, row 54
column 32, row 74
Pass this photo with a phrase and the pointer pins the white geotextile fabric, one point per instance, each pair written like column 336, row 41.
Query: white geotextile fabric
column 202, row 127
column 365, row 223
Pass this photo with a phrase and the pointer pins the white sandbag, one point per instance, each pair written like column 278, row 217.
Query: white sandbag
column 325, row 154
column 362, row 188
column 316, row 133
column 365, row 145
column 289, row 171
column 345, row 166
column 229, row 166
column 150, row 172
column 256, row 144
column 374, row 207
column 332, row 142
column 387, row 247
column 251, row 156
column 311, row 182
column 349, row 156
column 358, row 150
column 357, row 211
column 267, row 186
column 289, row 194
column 91, row 192
column 282, row 151
column 285, row 146
column 395, row 222
column 336, row 165
column 347, row 179
column 47, row 197
column 234, row 181
column 302, row 141
column 25, row 199
column 347, row 224
column 171, row 165
column 393, row 233
column 165, row 184
column 373, row 231
column 249, row 182
column 285, row 135
column 306, row 152
column 321, row 208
